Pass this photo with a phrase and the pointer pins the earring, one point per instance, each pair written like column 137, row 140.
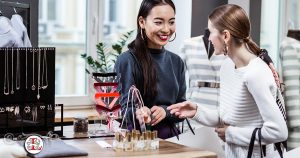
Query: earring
column 142, row 35
column 173, row 38
column 225, row 49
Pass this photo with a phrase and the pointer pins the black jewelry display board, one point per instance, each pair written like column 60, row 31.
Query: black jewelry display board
column 27, row 90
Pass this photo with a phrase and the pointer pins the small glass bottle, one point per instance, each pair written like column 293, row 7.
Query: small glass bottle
column 154, row 140
column 128, row 143
column 140, row 144
column 117, row 142
column 120, row 146
column 144, row 135
column 148, row 140
column 134, row 139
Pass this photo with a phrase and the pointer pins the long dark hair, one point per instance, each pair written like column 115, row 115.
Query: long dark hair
column 234, row 19
column 141, row 52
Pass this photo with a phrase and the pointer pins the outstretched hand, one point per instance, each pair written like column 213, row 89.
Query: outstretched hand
column 185, row 109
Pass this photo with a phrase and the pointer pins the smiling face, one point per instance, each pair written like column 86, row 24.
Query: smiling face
column 216, row 39
column 158, row 26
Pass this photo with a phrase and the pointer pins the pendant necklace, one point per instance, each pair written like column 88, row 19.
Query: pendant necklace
column 39, row 73
column 33, row 86
column 44, row 72
column 12, row 71
column 6, row 74
column 18, row 71
column 26, row 68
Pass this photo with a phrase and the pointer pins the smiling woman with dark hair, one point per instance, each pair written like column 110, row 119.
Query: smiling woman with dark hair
column 158, row 73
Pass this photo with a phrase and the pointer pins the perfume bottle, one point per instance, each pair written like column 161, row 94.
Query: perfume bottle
column 118, row 142
column 148, row 140
column 144, row 137
column 128, row 143
column 154, row 140
column 140, row 144
column 134, row 139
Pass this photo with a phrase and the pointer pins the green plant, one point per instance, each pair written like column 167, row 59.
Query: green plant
column 106, row 55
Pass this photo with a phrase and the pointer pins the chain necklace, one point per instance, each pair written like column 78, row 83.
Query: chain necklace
column 44, row 86
column 26, row 68
column 33, row 86
column 18, row 79
column 39, row 74
column 12, row 71
column 6, row 74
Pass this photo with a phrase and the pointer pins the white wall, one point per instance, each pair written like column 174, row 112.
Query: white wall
column 245, row 4
column 183, row 24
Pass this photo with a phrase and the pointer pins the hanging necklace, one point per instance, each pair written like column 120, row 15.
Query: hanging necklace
column 26, row 67
column 44, row 86
column 33, row 86
column 39, row 74
column 18, row 71
column 12, row 71
column 6, row 74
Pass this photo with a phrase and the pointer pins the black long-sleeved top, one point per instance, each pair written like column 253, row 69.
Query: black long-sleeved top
column 171, row 86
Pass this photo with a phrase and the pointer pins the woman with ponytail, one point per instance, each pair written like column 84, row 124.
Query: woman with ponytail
column 247, row 89
column 158, row 73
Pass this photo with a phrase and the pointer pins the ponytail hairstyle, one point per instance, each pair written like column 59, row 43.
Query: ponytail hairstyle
column 234, row 19
column 140, row 50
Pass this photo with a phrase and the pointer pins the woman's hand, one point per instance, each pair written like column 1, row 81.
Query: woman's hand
column 158, row 114
column 143, row 114
column 221, row 132
column 184, row 109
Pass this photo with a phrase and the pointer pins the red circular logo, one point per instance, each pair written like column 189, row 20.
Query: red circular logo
column 34, row 144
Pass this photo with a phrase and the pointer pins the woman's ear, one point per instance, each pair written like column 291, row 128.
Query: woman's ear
column 226, row 36
column 142, row 22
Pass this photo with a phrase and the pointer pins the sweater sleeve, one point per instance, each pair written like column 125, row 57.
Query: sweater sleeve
column 206, row 116
column 181, row 97
column 124, row 68
column 262, row 87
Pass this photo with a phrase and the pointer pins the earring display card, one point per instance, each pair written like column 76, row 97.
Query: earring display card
column 27, row 89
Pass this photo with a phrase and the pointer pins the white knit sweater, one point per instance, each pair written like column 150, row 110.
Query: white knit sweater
column 247, row 101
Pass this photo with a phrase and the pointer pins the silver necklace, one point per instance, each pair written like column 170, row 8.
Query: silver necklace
column 33, row 86
column 18, row 71
column 12, row 71
column 26, row 67
column 39, row 74
column 6, row 74
column 44, row 86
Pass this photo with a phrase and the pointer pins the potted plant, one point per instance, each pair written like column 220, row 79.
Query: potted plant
column 106, row 56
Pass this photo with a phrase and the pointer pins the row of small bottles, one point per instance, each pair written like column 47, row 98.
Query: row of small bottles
column 135, row 141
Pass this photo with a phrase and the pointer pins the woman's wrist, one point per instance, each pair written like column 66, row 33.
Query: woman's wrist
column 195, row 107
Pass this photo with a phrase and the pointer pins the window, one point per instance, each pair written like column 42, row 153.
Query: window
column 51, row 9
column 119, row 18
column 68, row 35
column 70, row 26
column 293, row 14
column 75, row 27
column 270, row 27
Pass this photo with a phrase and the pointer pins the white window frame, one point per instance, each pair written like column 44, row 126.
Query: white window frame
column 95, row 12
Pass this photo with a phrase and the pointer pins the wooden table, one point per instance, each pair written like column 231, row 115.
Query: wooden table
column 166, row 150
